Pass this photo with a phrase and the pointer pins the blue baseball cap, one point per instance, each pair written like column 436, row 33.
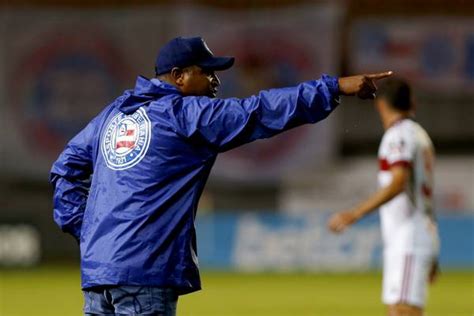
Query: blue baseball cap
column 188, row 51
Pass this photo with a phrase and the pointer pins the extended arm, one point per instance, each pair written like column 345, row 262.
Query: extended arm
column 400, row 175
column 228, row 123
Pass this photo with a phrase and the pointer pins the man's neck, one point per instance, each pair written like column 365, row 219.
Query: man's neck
column 166, row 79
column 394, row 117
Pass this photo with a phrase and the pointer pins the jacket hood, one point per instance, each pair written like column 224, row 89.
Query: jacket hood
column 145, row 91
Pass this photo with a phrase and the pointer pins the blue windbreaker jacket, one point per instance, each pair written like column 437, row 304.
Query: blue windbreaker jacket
column 128, row 185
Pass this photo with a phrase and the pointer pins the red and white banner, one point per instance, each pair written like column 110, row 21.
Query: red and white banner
column 434, row 53
column 61, row 67
column 273, row 48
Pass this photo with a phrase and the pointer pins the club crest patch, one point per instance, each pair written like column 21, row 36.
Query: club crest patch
column 126, row 140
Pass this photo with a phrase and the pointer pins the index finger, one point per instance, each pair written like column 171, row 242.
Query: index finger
column 380, row 75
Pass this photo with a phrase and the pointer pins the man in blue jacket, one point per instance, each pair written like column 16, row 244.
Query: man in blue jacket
column 128, row 185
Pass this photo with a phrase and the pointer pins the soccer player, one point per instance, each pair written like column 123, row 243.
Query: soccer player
column 410, row 237
column 128, row 185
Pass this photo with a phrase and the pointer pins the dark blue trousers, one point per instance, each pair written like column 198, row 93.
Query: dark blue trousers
column 130, row 300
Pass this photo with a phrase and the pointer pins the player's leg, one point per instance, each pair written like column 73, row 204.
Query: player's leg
column 393, row 263
column 97, row 302
column 404, row 310
column 143, row 300
column 407, row 279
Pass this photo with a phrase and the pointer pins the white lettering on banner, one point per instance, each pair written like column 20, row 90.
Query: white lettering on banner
column 305, row 245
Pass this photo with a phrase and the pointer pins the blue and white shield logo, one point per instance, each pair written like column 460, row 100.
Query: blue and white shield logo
column 126, row 140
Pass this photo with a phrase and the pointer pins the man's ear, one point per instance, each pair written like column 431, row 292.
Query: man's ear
column 177, row 74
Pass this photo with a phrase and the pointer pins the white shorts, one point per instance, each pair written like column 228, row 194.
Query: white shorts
column 405, row 278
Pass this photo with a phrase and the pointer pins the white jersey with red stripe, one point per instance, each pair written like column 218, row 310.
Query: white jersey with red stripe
column 407, row 219
column 408, row 228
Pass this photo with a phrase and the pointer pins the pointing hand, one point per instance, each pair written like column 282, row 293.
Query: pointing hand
column 361, row 85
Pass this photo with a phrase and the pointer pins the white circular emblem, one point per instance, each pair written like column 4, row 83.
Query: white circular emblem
column 126, row 140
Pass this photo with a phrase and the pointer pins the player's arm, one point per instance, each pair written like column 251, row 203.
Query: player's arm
column 70, row 176
column 400, row 176
column 228, row 123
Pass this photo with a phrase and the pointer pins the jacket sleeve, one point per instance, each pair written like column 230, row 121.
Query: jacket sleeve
column 70, row 176
column 228, row 123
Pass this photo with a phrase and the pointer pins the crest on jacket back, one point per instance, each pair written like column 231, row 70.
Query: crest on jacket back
column 126, row 140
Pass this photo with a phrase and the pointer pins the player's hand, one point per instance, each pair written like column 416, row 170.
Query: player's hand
column 340, row 221
column 434, row 272
column 361, row 85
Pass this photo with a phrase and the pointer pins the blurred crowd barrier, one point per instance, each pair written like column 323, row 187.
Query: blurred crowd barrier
column 271, row 241
column 291, row 242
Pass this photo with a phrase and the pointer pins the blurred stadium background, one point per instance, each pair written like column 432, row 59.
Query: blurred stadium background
column 263, row 245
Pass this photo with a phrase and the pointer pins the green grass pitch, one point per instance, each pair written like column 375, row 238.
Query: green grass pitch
column 54, row 290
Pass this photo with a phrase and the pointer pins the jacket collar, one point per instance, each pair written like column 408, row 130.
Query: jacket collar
column 145, row 86
column 145, row 91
